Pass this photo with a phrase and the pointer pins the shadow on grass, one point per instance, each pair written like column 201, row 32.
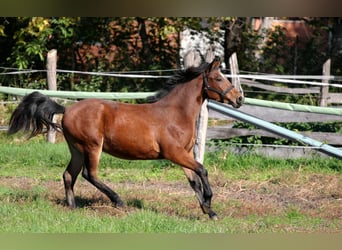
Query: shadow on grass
column 85, row 202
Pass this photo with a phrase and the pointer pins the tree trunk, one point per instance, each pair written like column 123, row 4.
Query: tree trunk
column 232, row 37
column 146, row 51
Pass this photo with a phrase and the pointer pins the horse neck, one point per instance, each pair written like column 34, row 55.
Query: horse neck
column 186, row 97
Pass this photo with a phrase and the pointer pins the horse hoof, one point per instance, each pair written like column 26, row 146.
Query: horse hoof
column 119, row 204
column 213, row 215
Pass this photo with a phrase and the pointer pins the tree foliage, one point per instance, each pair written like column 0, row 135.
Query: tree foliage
column 94, row 44
column 146, row 43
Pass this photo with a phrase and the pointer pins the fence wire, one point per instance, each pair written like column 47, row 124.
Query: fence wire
column 290, row 79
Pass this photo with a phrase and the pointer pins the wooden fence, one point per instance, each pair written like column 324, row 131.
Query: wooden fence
column 266, row 113
column 271, row 115
column 279, row 115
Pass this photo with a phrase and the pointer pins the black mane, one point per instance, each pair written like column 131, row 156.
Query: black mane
column 180, row 77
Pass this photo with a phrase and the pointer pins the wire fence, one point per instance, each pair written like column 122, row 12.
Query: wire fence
column 289, row 79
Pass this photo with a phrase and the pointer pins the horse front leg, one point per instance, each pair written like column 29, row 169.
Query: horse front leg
column 195, row 183
column 202, row 174
column 198, row 178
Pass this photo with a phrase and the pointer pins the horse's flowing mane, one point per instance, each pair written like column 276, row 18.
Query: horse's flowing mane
column 180, row 77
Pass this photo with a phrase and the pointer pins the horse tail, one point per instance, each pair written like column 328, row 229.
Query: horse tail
column 33, row 113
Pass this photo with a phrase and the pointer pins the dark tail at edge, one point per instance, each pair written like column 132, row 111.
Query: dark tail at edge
column 33, row 113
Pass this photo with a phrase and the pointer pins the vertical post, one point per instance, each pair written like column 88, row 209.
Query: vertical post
column 201, row 135
column 325, row 88
column 234, row 69
column 202, row 120
column 193, row 58
column 51, row 67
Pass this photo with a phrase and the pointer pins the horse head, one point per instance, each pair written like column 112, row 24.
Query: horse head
column 217, row 87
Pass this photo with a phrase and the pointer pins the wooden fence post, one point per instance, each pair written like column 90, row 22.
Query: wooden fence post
column 51, row 67
column 325, row 89
column 193, row 58
column 234, row 70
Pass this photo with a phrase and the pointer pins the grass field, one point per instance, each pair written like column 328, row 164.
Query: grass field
column 251, row 194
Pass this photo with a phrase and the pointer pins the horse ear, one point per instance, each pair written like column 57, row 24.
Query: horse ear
column 215, row 64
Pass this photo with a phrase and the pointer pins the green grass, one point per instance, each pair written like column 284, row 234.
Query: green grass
column 31, row 210
column 261, row 168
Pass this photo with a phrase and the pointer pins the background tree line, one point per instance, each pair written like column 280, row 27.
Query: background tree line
column 139, row 44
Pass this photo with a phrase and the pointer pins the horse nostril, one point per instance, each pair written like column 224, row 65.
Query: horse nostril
column 240, row 99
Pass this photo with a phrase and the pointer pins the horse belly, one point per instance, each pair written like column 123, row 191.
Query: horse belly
column 132, row 147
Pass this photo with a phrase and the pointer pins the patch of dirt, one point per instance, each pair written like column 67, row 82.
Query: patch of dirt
column 318, row 196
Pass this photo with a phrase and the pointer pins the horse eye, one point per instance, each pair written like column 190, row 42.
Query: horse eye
column 218, row 79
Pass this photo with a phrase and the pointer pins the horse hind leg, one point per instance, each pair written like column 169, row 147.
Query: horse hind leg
column 70, row 176
column 91, row 162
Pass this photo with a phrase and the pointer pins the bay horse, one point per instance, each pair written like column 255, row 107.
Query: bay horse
column 161, row 128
